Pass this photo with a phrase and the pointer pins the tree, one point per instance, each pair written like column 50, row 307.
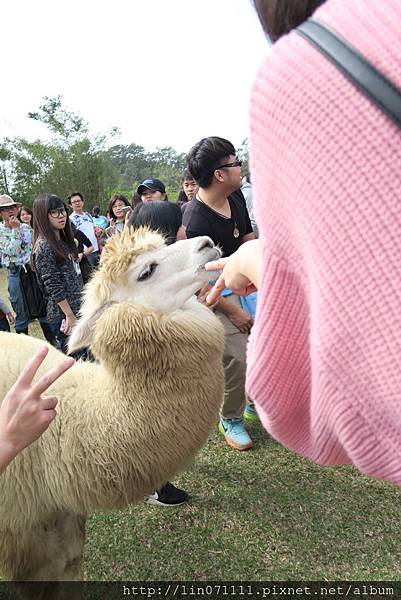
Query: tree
column 134, row 165
column 76, row 160
column 66, row 125
column 73, row 160
column 243, row 154
column 5, row 158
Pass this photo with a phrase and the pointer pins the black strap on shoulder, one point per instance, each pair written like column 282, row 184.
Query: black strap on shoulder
column 371, row 82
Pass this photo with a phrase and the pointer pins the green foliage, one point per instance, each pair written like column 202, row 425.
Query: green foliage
column 243, row 154
column 67, row 126
column 74, row 159
column 134, row 165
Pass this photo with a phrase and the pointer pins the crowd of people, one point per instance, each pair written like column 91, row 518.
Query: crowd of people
column 321, row 248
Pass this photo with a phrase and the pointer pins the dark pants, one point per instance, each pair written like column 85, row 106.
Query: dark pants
column 48, row 333
column 4, row 324
column 62, row 340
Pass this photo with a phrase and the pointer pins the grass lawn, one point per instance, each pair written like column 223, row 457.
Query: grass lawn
column 265, row 514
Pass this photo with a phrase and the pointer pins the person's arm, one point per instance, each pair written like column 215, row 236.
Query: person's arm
column 4, row 307
column 239, row 211
column 238, row 317
column 241, row 271
column 191, row 233
column 85, row 241
column 7, row 311
column 25, row 412
column 248, row 237
column 89, row 249
column 69, row 316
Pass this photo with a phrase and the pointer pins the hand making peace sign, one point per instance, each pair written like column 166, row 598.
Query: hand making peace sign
column 26, row 412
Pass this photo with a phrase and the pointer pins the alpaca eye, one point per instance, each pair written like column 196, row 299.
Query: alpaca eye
column 147, row 272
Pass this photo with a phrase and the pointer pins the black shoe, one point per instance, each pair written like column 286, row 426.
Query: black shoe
column 167, row 495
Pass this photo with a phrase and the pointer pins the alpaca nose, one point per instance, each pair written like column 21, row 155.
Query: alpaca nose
column 204, row 242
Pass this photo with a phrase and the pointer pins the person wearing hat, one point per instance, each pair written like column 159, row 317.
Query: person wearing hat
column 152, row 189
column 15, row 250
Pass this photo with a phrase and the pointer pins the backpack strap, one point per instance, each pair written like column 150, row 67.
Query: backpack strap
column 371, row 82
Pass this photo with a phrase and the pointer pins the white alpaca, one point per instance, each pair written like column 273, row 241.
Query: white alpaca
column 126, row 424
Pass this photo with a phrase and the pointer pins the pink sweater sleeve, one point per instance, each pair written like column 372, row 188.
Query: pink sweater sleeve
column 325, row 352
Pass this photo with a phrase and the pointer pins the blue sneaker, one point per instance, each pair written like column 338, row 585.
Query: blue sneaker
column 235, row 433
column 250, row 414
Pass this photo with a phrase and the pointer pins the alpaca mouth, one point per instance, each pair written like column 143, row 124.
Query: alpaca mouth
column 208, row 254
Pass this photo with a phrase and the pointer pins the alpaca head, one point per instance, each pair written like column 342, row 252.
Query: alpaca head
column 138, row 268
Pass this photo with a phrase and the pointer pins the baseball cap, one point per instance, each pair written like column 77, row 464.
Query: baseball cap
column 151, row 184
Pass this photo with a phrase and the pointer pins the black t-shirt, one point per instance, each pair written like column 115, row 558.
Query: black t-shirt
column 200, row 219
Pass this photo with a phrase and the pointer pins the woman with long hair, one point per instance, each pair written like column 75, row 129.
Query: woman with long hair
column 55, row 260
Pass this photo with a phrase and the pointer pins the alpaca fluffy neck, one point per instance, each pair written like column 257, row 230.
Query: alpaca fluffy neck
column 167, row 386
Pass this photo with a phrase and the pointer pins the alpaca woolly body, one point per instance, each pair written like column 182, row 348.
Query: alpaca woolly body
column 124, row 425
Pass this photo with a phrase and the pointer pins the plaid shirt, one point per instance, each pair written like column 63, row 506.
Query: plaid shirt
column 15, row 245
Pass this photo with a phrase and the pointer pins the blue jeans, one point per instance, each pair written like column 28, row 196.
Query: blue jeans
column 93, row 258
column 16, row 299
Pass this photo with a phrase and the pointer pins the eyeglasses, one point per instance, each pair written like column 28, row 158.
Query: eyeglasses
column 237, row 163
column 57, row 212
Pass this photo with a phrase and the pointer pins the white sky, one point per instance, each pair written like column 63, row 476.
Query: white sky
column 166, row 72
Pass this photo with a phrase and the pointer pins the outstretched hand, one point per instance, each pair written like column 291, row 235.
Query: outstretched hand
column 240, row 271
column 26, row 412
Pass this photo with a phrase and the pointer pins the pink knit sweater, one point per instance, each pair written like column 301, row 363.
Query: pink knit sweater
column 325, row 352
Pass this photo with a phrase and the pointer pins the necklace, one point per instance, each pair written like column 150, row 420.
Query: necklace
column 235, row 230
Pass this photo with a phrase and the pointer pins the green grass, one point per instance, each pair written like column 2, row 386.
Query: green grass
column 265, row 514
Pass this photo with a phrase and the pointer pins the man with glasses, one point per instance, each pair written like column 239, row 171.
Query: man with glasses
column 83, row 221
column 219, row 211
column 15, row 250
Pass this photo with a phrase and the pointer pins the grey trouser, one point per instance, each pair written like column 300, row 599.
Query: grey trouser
column 234, row 361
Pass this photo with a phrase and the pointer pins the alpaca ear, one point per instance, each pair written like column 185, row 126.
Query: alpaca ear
column 83, row 330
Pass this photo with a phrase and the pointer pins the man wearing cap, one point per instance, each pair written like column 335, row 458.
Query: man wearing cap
column 152, row 189
column 15, row 250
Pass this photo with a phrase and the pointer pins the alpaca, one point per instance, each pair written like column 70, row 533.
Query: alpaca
column 125, row 424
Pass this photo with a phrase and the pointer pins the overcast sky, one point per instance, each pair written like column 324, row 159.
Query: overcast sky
column 165, row 72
